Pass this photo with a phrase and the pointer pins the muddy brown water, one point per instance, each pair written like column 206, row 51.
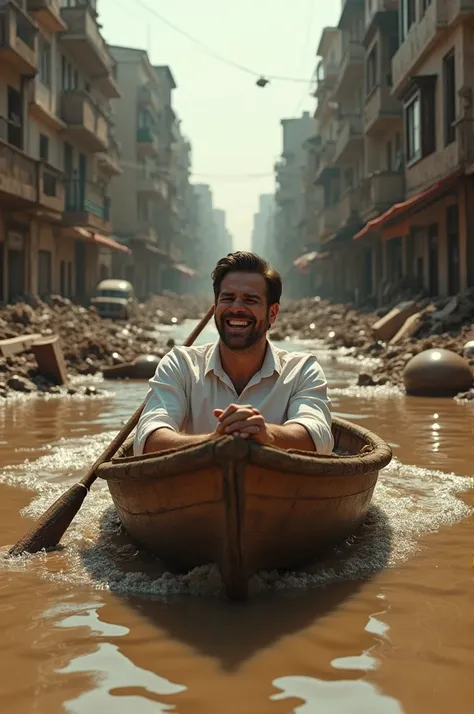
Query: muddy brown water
column 384, row 626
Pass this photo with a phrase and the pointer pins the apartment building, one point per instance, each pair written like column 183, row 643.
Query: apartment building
column 290, row 196
column 427, row 239
column 145, row 202
column 262, row 228
column 214, row 239
column 396, row 204
column 56, row 147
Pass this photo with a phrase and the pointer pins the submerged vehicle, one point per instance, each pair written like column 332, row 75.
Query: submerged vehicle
column 114, row 299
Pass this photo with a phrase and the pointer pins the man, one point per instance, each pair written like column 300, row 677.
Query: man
column 242, row 384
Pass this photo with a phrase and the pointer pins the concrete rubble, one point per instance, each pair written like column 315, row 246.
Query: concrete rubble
column 447, row 323
column 88, row 342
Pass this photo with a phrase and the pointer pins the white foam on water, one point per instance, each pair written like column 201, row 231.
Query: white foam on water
column 409, row 502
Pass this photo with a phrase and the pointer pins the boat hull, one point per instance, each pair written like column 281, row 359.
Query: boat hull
column 244, row 506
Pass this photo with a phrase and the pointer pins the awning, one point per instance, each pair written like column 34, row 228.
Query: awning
column 109, row 242
column 154, row 249
column 304, row 261
column 76, row 232
column 185, row 270
column 399, row 209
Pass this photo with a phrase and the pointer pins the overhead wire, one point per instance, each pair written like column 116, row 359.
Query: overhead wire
column 212, row 53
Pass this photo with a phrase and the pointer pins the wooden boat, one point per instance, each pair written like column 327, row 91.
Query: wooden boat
column 244, row 506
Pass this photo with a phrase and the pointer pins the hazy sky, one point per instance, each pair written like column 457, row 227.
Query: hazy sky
column 233, row 125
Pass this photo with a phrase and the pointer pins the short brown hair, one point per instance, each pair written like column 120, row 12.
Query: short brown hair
column 244, row 262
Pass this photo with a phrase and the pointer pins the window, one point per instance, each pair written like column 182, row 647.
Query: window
column 408, row 16
column 413, row 128
column 449, row 87
column 43, row 147
column 420, row 120
column 44, row 71
column 371, row 70
column 69, row 76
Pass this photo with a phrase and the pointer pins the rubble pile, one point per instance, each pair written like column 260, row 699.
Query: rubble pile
column 447, row 323
column 88, row 341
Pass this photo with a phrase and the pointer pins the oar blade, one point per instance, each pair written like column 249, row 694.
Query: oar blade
column 50, row 528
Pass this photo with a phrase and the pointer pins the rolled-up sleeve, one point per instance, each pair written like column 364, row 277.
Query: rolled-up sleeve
column 310, row 406
column 165, row 403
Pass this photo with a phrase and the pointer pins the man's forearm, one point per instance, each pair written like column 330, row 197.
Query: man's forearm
column 163, row 439
column 290, row 436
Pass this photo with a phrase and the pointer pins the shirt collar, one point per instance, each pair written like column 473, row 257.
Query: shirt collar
column 271, row 363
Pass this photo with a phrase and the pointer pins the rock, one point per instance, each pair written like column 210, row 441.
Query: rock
column 468, row 349
column 21, row 384
column 365, row 380
column 144, row 367
column 437, row 372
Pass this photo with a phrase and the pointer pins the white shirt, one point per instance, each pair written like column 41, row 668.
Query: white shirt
column 190, row 382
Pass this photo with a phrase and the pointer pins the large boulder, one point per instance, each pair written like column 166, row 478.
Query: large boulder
column 437, row 372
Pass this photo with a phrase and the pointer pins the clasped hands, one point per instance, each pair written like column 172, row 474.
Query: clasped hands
column 242, row 420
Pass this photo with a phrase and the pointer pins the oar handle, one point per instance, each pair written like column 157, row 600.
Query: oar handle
column 126, row 430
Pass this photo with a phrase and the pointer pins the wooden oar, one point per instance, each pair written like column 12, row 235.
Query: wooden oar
column 52, row 525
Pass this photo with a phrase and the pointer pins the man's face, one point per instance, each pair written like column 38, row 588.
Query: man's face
column 242, row 315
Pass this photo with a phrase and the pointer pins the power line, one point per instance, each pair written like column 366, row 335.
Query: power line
column 205, row 48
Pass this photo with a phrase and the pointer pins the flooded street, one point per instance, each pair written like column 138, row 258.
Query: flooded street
column 384, row 627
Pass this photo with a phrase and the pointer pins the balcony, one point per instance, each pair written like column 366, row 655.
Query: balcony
column 421, row 38
column 147, row 99
column 88, row 48
column 51, row 193
column 327, row 223
column 380, row 191
column 43, row 104
column 87, row 205
column 351, row 71
column 149, row 186
column 48, row 13
column 146, row 232
column 349, row 207
column 147, row 141
column 17, row 176
column 326, row 83
column 86, row 123
column 325, row 161
column 350, row 139
column 381, row 111
column 18, row 38
column 109, row 161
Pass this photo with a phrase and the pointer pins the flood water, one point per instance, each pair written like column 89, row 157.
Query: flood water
column 385, row 626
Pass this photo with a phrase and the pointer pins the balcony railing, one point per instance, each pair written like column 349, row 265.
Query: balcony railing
column 351, row 66
column 147, row 139
column 148, row 98
column 380, row 107
column 84, row 39
column 351, row 129
column 380, row 191
column 18, row 38
column 49, row 12
column 84, row 117
column 88, row 199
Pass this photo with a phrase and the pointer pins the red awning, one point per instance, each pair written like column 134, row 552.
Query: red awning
column 110, row 243
column 400, row 208
column 185, row 270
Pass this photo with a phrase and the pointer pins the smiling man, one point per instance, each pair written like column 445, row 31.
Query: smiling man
column 241, row 384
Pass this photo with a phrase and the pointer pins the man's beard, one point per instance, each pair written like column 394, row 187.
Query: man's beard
column 252, row 335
